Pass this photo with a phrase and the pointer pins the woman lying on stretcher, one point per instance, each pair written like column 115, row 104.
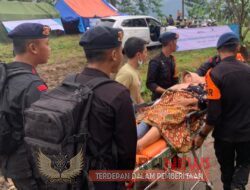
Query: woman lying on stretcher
column 166, row 117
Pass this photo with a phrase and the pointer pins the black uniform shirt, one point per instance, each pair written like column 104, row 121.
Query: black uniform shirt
column 161, row 72
column 229, row 105
column 25, row 87
column 111, row 119
column 211, row 63
column 23, row 90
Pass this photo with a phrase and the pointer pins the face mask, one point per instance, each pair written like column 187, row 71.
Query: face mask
column 140, row 62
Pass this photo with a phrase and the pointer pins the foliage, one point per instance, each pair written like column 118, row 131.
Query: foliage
column 238, row 11
column 113, row 2
column 127, row 7
column 52, row 2
column 135, row 7
column 228, row 11
column 196, row 8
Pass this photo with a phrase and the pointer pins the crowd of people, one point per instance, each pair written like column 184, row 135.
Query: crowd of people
column 112, row 137
column 184, row 22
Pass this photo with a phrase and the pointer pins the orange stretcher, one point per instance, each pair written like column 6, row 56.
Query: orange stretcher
column 151, row 151
column 152, row 156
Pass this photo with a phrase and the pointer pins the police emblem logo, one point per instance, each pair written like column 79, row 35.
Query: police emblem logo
column 177, row 36
column 46, row 30
column 60, row 172
column 120, row 36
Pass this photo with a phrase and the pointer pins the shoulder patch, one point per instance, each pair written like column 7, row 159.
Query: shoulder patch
column 239, row 57
column 42, row 87
column 34, row 71
column 213, row 92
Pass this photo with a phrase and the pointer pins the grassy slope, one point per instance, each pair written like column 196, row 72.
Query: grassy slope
column 66, row 49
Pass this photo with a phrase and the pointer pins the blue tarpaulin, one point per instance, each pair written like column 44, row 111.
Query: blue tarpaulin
column 70, row 19
column 75, row 17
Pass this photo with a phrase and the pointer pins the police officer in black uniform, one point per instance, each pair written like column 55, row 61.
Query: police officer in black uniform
column 215, row 60
column 229, row 114
column 111, row 120
column 211, row 63
column 31, row 48
column 162, row 72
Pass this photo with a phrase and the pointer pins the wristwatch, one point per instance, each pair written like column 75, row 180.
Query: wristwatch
column 203, row 135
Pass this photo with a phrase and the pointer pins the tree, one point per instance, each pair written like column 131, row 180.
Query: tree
column 113, row 2
column 196, row 8
column 134, row 7
column 232, row 11
column 127, row 6
column 238, row 11
column 146, row 6
column 227, row 12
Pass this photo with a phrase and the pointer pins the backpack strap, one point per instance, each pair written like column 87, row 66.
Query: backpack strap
column 70, row 80
column 83, row 130
column 98, row 81
column 92, row 84
column 97, row 159
column 3, row 75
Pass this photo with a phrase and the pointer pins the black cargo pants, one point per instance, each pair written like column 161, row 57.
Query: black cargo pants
column 234, row 160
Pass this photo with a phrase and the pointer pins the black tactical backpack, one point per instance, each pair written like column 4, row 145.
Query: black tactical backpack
column 56, row 131
column 10, row 138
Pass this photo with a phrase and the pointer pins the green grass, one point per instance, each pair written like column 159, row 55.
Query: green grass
column 190, row 60
column 65, row 49
column 6, row 53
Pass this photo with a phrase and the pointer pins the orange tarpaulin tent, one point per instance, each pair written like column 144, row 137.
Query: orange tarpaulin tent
column 91, row 8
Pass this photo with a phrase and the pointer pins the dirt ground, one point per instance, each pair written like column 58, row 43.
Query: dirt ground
column 214, row 172
column 53, row 74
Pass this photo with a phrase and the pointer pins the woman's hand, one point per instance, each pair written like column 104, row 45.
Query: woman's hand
column 198, row 141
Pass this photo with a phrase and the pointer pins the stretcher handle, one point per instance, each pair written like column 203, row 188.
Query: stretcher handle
column 196, row 114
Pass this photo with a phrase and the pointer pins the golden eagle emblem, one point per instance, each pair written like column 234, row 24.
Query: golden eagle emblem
column 45, row 167
column 46, row 30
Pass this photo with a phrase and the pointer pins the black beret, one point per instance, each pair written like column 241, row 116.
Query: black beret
column 228, row 38
column 30, row 31
column 101, row 37
column 167, row 37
